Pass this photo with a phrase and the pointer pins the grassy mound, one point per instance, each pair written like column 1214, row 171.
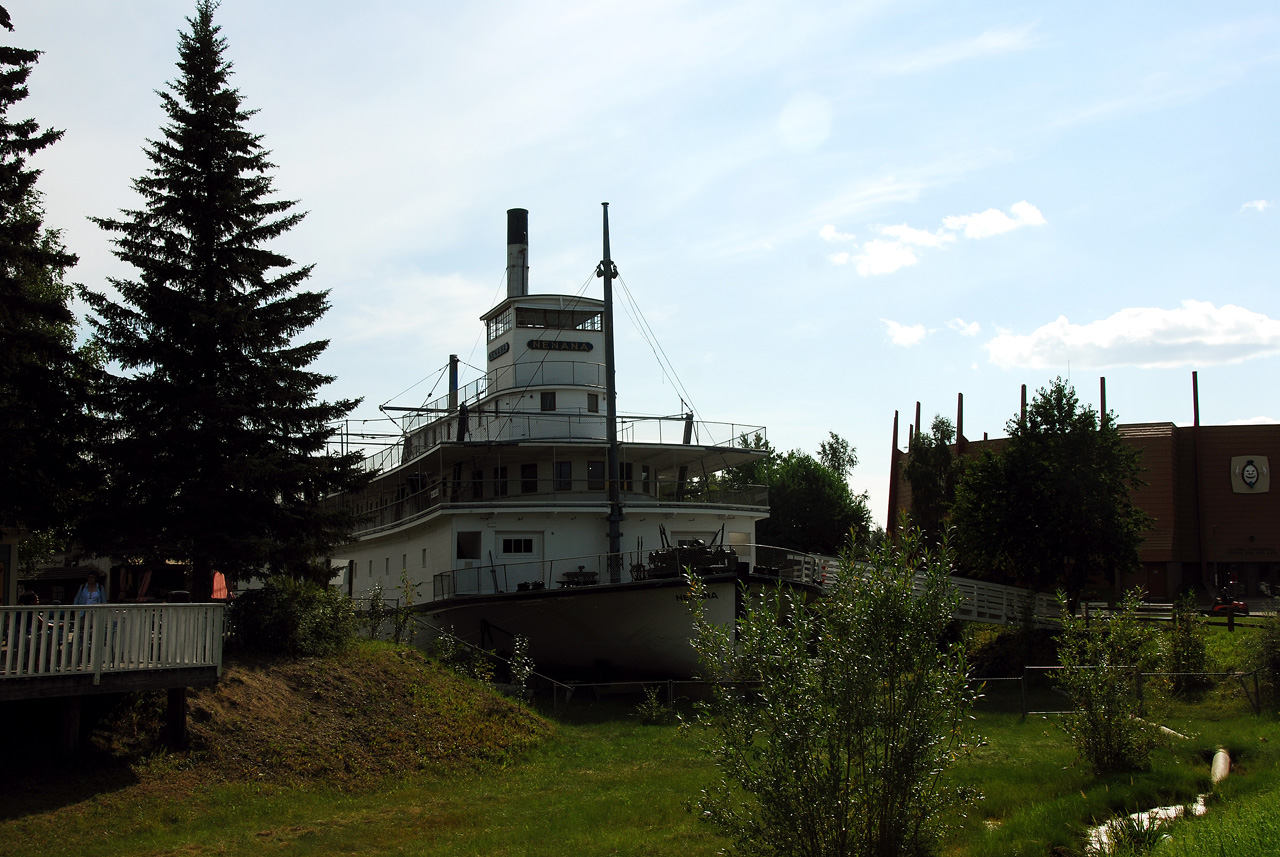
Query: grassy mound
column 372, row 712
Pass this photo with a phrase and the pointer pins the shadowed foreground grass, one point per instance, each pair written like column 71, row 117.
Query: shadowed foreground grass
column 605, row 788
column 596, row 782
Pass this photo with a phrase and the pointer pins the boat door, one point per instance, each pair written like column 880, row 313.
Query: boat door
column 518, row 558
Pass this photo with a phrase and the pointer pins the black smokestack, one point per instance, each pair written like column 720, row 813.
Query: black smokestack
column 517, row 252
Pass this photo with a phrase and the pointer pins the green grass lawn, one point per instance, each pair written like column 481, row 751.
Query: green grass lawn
column 606, row 784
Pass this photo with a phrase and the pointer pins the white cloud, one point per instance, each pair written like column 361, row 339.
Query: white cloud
column 1258, row 205
column 896, row 246
column 905, row 335
column 994, row 222
column 964, row 328
column 884, row 257
column 1195, row 334
column 919, row 237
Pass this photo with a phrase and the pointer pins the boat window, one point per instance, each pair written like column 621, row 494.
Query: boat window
column 564, row 475
column 557, row 319
column 593, row 403
column 477, row 485
column 645, row 478
column 499, row 324
column 469, row 544
column 625, row 473
column 528, row 478
column 499, row 481
column 595, row 475
column 518, row 545
column 424, row 557
column 549, row 401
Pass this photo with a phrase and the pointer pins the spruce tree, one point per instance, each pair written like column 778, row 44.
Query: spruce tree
column 216, row 435
column 42, row 377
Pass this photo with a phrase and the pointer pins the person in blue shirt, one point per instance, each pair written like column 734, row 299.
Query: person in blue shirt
column 91, row 591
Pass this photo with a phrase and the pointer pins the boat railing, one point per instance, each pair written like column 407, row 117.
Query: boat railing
column 55, row 640
column 531, row 575
column 489, row 426
column 378, row 510
column 568, row 373
column 978, row 600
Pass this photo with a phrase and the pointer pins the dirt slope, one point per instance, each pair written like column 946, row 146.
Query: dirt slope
column 373, row 712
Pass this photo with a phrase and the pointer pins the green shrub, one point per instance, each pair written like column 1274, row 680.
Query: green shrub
column 292, row 617
column 1101, row 664
column 1265, row 657
column 833, row 722
column 1186, row 651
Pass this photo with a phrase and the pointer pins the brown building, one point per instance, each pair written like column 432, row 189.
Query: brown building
column 1216, row 519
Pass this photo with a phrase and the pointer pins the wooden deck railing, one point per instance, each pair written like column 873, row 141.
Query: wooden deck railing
column 56, row 640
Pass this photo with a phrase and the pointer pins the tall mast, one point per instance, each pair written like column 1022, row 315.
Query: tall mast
column 608, row 271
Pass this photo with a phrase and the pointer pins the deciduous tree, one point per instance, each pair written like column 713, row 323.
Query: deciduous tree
column 217, row 446
column 931, row 471
column 811, row 506
column 1053, row 508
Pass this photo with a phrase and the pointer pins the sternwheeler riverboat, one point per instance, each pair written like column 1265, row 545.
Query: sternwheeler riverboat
column 523, row 503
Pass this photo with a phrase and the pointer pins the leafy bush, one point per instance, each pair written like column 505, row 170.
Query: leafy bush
column 292, row 617
column 832, row 723
column 1101, row 665
column 1265, row 656
column 652, row 711
column 1186, row 651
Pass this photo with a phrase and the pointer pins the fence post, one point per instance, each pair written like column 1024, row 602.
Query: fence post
column 1025, row 670
column 96, row 645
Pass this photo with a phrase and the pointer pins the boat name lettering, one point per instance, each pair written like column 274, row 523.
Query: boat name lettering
column 557, row 345
column 688, row 596
column 499, row 351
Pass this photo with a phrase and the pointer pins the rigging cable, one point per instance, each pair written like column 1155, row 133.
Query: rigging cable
column 646, row 332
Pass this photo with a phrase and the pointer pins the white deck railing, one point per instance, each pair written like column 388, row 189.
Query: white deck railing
column 59, row 640
column 997, row 604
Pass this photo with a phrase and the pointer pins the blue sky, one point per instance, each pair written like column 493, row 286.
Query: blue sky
column 825, row 211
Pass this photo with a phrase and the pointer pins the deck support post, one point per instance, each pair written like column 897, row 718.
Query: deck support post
column 70, row 735
column 176, row 719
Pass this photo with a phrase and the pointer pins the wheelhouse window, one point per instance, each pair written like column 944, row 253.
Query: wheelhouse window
column 646, row 482
column 593, row 403
column 499, row 324
column 549, row 401
column 477, row 485
column 500, row 481
column 528, row 478
column 557, row 319
column 595, row 475
column 564, row 475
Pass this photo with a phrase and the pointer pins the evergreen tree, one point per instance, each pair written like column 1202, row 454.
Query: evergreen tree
column 42, row 377
column 216, row 451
